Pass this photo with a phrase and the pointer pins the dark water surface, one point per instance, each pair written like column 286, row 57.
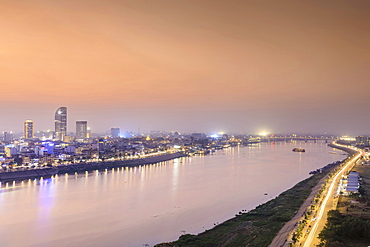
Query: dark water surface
column 154, row 203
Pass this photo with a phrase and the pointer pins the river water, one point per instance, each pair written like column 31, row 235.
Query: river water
column 153, row 203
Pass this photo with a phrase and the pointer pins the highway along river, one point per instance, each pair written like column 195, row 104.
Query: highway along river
column 153, row 203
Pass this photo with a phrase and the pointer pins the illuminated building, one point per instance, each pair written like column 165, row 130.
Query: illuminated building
column 362, row 140
column 60, row 123
column 49, row 147
column 81, row 130
column 28, row 129
column 8, row 137
column 67, row 138
column 10, row 151
column 115, row 132
column 101, row 146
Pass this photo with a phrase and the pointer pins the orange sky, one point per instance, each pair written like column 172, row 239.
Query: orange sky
column 187, row 65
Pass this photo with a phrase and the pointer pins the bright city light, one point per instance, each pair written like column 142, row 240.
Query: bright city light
column 347, row 138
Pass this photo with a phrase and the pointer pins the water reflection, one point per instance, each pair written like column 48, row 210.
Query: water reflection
column 149, row 204
column 45, row 203
column 175, row 175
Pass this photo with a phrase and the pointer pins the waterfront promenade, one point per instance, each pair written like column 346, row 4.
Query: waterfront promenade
column 118, row 163
column 83, row 167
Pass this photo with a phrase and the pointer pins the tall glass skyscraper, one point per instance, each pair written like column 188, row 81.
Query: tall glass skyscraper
column 60, row 123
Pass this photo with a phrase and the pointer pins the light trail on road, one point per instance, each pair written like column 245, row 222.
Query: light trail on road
column 323, row 210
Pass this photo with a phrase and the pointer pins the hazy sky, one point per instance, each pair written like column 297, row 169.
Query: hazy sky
column 234, row 66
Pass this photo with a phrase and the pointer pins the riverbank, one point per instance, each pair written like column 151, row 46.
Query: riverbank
column 282, row 236
column 257, row 227
column 27, row 174
column 118, row 163
column 83, row 167
column 343, row 148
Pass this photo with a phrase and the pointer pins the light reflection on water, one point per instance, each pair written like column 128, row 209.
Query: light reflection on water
column 154, row 203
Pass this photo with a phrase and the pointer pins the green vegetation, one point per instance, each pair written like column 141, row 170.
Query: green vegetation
column 345, row 230
column 257, row 227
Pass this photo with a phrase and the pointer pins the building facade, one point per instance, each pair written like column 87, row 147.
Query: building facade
column 28, row 129
column 8, row 137
column 60, row 123
column 362, row 141
column 81, row 130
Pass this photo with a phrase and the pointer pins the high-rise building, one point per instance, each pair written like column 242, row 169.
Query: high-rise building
column 81, row 130
column 363, row 140
column 28, row 129
column 60, row 123
column 115, row 132
column 101, row 146
column 8, row 137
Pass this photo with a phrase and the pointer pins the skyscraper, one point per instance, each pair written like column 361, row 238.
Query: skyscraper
column 115, row 132
column 60, row 123
column 28, row 129
column 81, row 130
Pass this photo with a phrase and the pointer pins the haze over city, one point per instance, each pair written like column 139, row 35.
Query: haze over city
column 232, row 66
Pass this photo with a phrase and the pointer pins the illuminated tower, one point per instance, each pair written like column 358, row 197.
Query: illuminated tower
column 28, row 129
column 60, row 123
column 81, row 130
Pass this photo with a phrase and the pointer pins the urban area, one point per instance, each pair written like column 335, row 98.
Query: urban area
column 34, row 149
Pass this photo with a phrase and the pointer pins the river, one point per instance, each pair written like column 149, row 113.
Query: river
column 153, row 203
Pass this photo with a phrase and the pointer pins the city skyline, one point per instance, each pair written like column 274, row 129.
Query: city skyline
column 190, row 66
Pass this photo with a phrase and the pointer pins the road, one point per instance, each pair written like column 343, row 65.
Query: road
column 328, row 202
column 282, row 236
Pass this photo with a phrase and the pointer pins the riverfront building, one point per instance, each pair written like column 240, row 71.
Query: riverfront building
column 363, row 141
column 81, row 130
column 60, row 123
column 28, row 129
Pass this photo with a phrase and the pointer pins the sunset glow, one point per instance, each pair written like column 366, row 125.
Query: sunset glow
column 234, row 65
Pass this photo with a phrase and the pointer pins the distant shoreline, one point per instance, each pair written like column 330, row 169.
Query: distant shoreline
column 83, row 167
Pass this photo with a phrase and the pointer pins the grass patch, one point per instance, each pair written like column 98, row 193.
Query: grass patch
column 257, row 227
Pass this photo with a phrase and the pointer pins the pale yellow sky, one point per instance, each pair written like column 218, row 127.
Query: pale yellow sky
column 185, row 65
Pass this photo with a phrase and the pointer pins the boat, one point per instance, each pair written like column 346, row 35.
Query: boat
column 299, row 150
